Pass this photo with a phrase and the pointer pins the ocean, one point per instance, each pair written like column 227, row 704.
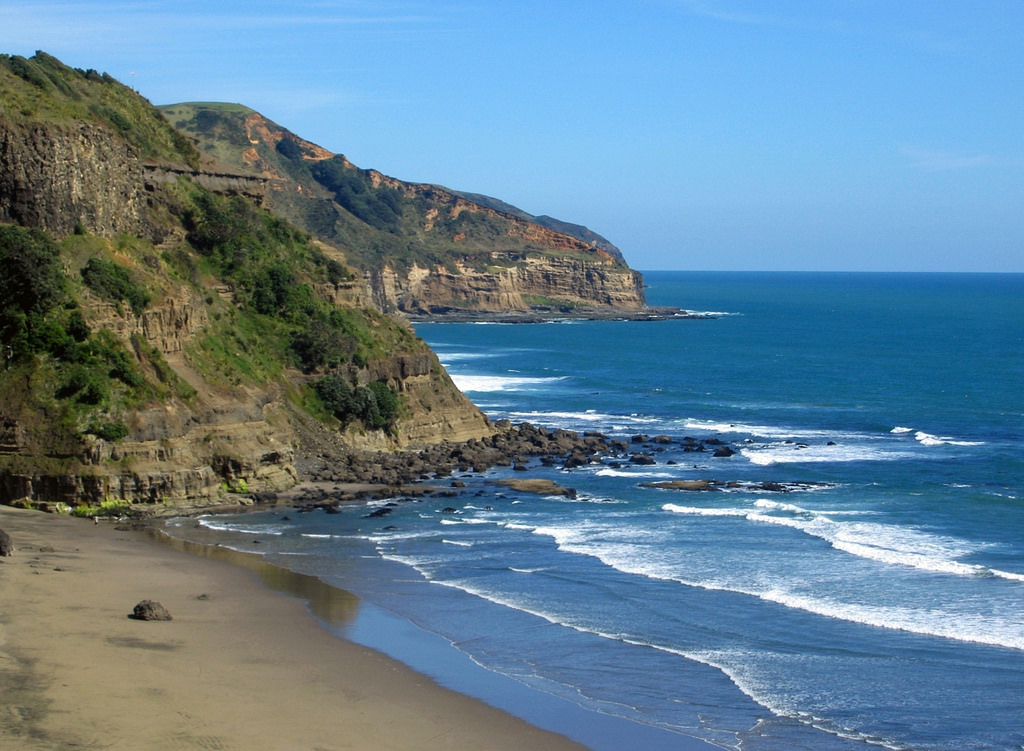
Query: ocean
column 855, row 581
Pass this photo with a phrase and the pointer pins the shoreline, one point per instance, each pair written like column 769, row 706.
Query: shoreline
column 355, row 620
column 238, row 667
column 648, row 313
column 234, row 615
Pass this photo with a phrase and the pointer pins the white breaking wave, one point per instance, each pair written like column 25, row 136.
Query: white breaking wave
column 977, row 628
column 776, row 432
column 464, row 520
column 696, row 511
column 219, row 525
column 487, row 383
column 790, row 453
column 1007, row 575
column 763, row 503
column 968, row 627
column 897, row 546
column 942, row 622
column 639, row 475
column 450, row 357
column 589, row 416
column 883, row 543
column 710, row 313
column 927, row 439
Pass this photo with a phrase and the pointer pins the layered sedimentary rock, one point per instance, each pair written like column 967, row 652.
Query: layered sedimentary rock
column 63, row 178
column 208, row 442
column 532, row 282
column 424, row 250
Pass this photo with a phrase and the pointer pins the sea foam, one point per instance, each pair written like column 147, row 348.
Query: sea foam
column 974, row 627
column 486, row 383
column 882, row 543
column 789, row 453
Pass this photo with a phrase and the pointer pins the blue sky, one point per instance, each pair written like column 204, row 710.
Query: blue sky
column 694, row 134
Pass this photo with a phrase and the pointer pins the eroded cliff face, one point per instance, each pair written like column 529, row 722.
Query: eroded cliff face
column 438, row 411
column 534, row 282
column 568, row 274
column 60, row 178
column 218, row 442
column 184, row 451
column 443, row 252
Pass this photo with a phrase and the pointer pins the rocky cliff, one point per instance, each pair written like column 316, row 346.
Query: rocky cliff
column 514, row 282
column 424, row 250
column 153, row 351
column 63, row 178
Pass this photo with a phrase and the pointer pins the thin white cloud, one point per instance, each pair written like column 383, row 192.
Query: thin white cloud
column 943, row 161
column 926, row 34
column 713, row 9
column 78, row 25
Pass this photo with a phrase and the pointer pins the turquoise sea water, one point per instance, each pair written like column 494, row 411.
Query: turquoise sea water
column 881, row 606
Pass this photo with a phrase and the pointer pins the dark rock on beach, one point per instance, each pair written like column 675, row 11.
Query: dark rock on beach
column 6, row 546
column 150, row 610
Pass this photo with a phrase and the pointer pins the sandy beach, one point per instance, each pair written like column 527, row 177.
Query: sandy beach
column 240, row 666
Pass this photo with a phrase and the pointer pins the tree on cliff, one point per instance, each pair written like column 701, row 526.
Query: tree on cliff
column 31, row 285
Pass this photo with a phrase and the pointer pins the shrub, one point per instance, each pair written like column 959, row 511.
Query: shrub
column 375, row 404
column 289, row 149
column 85, row 385
column 336, row 395
column 112, row 282
column 379, row 207
column 386, row 403
column 31, row 277
column 336, row 272
column 27, row 70
column 77, row 327
column 48, row 335
column 276, row 290
column 319, row 344
column 112, row 507
column 107, row 354
column 109, row 431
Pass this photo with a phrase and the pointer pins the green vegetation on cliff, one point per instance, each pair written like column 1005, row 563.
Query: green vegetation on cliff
column 273, row 270
column 89, row 380
column 423, row 249
column 219, row 301
column 375, row 219
column 57, row 94
column 78, row 379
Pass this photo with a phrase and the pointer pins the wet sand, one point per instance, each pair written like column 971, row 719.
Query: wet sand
column 240, row 666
